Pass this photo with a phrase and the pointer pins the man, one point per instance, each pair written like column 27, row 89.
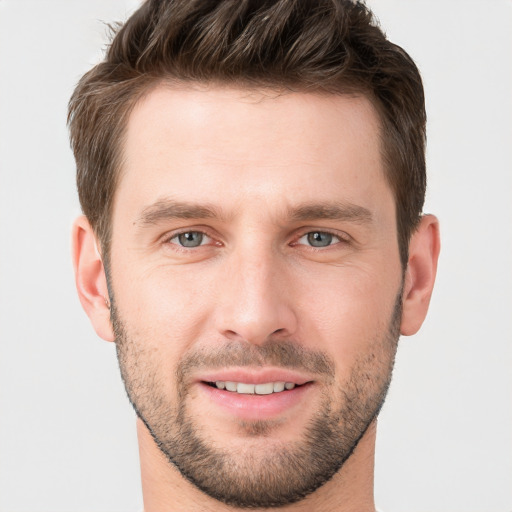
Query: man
column 252, row 177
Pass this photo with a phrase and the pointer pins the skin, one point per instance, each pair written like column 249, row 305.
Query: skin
column 262, row 163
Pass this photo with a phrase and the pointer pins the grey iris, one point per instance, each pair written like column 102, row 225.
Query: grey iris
column 190, row 238
column 319, row 239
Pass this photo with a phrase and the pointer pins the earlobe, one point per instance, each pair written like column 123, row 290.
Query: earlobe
column 91, row 283
column 420, row 275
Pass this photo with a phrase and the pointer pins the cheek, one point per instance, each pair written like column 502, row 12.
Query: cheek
column 342, row 309
column 166, row 308
column 350, row 313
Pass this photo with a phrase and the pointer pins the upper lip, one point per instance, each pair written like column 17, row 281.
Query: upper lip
column 254, row 376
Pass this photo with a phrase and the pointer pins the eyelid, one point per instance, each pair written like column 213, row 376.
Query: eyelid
column 204, row 240
column 341, row 235
column 166, row 239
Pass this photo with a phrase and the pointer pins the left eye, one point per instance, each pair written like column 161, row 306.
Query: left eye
column 190, row 239
column 319, row 239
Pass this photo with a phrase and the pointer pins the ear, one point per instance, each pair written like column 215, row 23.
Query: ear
column 90, row 279
column 420, row 274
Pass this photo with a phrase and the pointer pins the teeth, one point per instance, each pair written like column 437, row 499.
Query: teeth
column 245, row 389
column 278, row 386
column 251, row 389
column 231, row 386
column 263, row 389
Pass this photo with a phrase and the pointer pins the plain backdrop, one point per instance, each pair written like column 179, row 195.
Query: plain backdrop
column 67, row 432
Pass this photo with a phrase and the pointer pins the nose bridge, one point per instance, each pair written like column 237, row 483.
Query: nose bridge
column 254, row 303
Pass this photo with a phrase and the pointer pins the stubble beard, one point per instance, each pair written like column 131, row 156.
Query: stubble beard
column 286, row 473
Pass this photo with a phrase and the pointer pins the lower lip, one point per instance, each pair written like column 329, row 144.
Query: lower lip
column 256, row 407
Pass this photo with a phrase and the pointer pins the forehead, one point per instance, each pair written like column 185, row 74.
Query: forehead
column 252, row 144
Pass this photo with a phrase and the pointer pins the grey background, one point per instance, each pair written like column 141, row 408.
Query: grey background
column 67, row 436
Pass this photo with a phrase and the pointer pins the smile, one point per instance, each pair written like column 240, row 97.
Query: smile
column 254, row 396
column 243, row 388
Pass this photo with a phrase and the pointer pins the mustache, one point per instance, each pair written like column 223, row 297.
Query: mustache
column 284, row 354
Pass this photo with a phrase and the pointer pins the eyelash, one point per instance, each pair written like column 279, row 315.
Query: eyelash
column 342, row 238
column 168, row 239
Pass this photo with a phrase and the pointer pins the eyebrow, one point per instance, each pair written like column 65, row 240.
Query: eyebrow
column 168, row 209
column 332, row 211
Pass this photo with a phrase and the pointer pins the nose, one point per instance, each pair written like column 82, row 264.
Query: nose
column 255, row 298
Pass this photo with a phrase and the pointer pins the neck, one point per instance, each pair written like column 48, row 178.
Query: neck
column 164, row 488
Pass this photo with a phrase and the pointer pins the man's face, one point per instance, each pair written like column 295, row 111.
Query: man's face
column 256, row 283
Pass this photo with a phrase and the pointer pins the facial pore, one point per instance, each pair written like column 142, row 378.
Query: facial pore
column 282, row 473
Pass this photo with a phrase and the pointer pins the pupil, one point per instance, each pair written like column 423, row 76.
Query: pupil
column 319, row 239
column 191, row 239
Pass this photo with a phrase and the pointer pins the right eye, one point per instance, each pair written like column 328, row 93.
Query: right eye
column 190, row 239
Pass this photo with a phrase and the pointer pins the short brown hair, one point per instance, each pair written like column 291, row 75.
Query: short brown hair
column 332, row 46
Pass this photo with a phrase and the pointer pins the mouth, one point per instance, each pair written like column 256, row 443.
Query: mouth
column 254, row 395
column 244, row 388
